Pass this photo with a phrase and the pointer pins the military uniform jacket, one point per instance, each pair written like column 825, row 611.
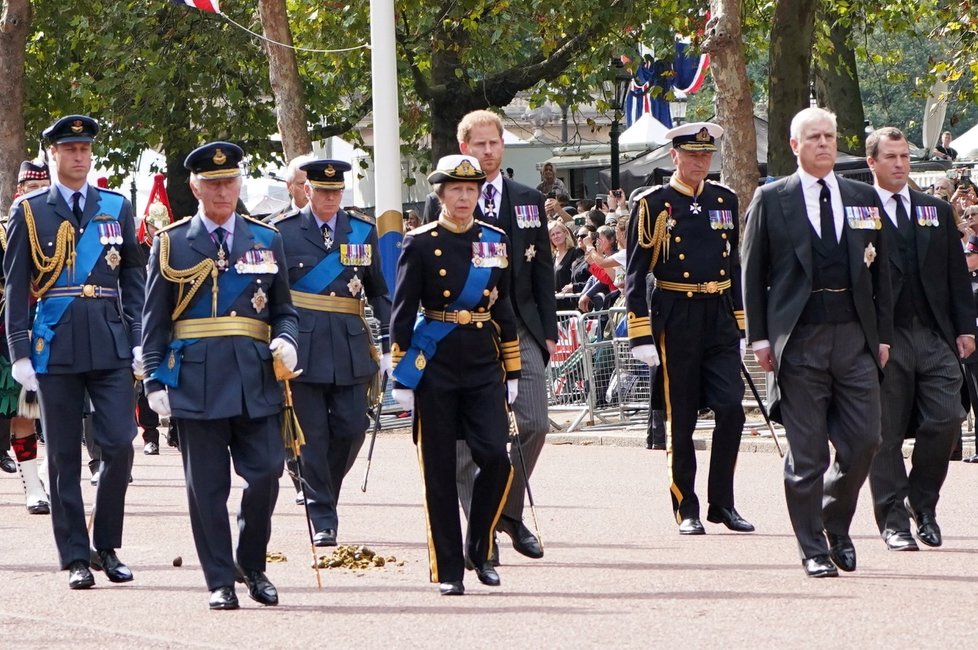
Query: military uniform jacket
column 225, row 376
column 532, row 265
column 93, row 333
column 334, row 348
column 433, row 267
column 683, row 241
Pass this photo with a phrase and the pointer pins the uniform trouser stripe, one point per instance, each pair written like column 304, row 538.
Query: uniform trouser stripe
column 432, row 557
column 677, row 495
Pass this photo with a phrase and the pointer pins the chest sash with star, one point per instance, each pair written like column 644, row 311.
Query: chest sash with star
column 88, row 249
column 329, row 268
column 428, row 333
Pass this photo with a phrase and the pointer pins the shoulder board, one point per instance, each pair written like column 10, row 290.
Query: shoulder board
column 490, row 226
column 30, row 195
column 258, row 222
column 283, row 217
column 423, row 229
column 180, row 222
column 647, row 192
column 360, row 217
column 720, row 185
column 106, row 190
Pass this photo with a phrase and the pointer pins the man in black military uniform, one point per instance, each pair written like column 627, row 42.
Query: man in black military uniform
column 216, row 294
column 333, row 263
column 686, row 234
column 74, row 246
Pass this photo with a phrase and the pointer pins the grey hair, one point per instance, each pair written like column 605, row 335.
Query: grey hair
column 294, row 165
column 809, row 115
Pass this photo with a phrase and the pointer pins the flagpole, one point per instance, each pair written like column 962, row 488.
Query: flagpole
column 387, row 137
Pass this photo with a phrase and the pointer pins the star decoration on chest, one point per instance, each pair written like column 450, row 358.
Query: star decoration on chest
column 355, row 286
column 531, row 252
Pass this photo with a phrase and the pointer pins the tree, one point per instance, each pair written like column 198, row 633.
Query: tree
column 283, row 74
column 15, row 24
column 837, row 84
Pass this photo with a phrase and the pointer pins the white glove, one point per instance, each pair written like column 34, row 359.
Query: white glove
column 385, row 363
column 512, row 389
column 404, row 397
column 743, row 349
column 159, row 401
column 137, row 361
column 646, row 354
column 284, row 352
column 23, row 373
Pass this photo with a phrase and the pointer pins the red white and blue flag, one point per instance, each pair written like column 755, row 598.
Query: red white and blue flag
column 212, row 6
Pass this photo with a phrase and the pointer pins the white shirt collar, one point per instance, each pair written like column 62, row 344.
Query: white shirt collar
column 886, row 195
column 227, row 225
column 67, row 193
column 807, row 180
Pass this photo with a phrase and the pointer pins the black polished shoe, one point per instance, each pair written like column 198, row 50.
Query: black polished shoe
column 223, row 598
column 151, row 449
column 39, row 508
column 524, row 541
column 7, row 463
column 108, row 562
column 454, row 588
column 819, row 566
column 899, row 540
column 325, row 538
column 79, row 576
column 842, row 552
column 691, row 526
column 260, row 588
column 730, row 518
column 928, row 531
column 487, row 574
column 971, row 459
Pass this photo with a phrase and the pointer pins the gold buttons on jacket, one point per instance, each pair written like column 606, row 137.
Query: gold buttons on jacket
column 678, row 239
column 442, row 272
column 685, row 274
column 722, row 272
column 682, row 256
column 437, row 252
column 446, row 293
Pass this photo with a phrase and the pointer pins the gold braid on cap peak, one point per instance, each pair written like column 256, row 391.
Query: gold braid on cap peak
column 653, row 235
column 64, row 253
column 194, row 276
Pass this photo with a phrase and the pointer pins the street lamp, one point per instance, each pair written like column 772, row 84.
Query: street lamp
column 677, row 107
column 618, row 86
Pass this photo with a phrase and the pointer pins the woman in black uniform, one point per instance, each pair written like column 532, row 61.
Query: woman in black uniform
column 457, row 366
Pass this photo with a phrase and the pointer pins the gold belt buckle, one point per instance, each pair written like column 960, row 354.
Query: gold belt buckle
column 463, row 317
column 88, row 291
column 712, row 286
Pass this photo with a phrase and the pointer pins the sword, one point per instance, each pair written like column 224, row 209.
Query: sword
column 760, row 404
column 373, row 436
column 526, row 477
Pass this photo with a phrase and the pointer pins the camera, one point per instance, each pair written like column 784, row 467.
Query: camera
column 552, row 194
column 618, row 194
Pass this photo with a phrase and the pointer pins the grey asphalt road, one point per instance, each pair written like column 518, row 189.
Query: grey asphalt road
column 616, row 573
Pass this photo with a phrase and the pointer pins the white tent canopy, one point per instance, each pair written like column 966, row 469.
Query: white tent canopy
column 646, row 131
column 966, row 144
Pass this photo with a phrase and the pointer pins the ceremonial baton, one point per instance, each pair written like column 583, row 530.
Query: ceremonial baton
column 373, row 436
column 760, row 405
column 526, row 476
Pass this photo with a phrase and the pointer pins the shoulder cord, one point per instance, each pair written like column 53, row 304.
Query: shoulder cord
column 64, row 252
column 653, row 236
column 194, row 276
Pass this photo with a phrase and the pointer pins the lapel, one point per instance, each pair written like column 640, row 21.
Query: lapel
column 508, row 223
column 310, row 229
column 796, row 221
column 243, row 239
column 61, row 208
column 199, row 239
column 92, row 201
column 922, row 235
column 343, row 229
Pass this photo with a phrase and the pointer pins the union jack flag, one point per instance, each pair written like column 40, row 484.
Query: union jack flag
column 212, row 6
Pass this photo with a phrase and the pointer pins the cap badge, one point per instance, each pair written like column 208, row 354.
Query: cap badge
column 703, row 135
column 466, row 168
column 330, row 172
column 219, row 157
column 77, row 127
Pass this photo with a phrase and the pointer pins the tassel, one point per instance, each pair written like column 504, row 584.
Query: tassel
column 28, row 406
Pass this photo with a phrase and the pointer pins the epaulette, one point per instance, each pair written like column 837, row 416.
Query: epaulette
column 361, row 217
column 105, row 189
column 259, row 222
column 179, row 222
column 490, row 226
column 282, row 217
column 29, row 195
column 641, row 193
column 423, row 229
column 720, row 185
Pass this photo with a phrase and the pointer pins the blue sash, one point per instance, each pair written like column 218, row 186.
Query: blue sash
column 88, row 249
column 329, row 268
column 428, row 333
column 230, row 286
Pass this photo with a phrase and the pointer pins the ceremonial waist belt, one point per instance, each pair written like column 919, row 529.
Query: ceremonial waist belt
column 82, row 291
column 703, row 287
column 461, row 317
column 333, row 304
column 828, row 290
column 202, row 328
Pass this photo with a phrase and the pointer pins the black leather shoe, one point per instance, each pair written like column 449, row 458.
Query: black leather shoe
column 819, row 566
column 928, row 531
column 260, row 588
column 842, row 552
column 39, row 508
column 487, row 574
column 151, row 449
column 454, row 588
column 7, row 463
column 691, row 526
column 223, row 598
column 730, row 518
column 899, row 540
column 325, row 538
column 971, row 459
column 108, row 562
column 524, row 541
column 79, row 577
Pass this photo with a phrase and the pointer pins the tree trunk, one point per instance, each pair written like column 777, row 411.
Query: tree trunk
column 15, row 22
column 837, row 88
column 734, row 105
column 790, row 61
column 283, row 73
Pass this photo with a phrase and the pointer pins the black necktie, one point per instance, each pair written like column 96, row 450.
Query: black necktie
column 327, row 235
column 220, row 238
column 76, row 206
column 825, row 213
column 903, row 219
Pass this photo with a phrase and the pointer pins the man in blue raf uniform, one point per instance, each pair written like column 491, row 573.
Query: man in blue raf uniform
column 685, row 233
column 333, row 264
column 217, row 294
column 74, row 247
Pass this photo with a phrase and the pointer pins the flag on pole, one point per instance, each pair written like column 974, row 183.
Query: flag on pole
column 211, row 6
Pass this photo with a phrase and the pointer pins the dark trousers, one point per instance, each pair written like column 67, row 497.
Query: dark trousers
column 921, row 392
column 207, row 448
column 334, row 421
column 700, row 355
column 147, row 419
column 830, row 391
column 63, row 400
column 445, row 412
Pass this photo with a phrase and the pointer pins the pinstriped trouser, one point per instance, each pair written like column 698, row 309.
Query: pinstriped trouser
column 533, row 422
